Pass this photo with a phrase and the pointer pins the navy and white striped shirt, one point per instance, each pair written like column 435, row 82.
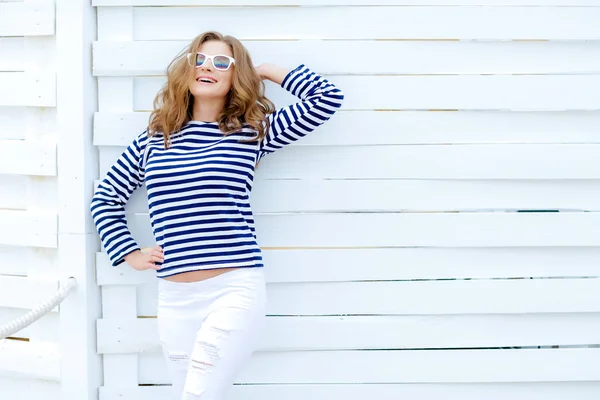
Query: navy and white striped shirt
column 199, row 188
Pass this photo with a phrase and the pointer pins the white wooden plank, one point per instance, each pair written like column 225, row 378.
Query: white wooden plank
column 410, row 127
column 346, row 2
column 113, row 58
column 449, row 391
column 115, row 95
column 27, row 157
column 499, row 92
column 26, row 123
column 16, row 260
column 469, row 162
column 25, row 292
column 12, row 54
column 414, row 195
column 414, row 366
column 27, row 89
column 29, row 360
column 115, row 23
column 14, row 192
column 119, row 302
column 279, row 196
column 422, row 297
column 522, row 161
column 27, row 18
column 384, row 333
column 47, row 326
column 368, row 230
column 27, row 389
column 28, row 228
column 469, row 22
column 345, row 265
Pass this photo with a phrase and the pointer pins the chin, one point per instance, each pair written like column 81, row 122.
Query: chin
column 207, row 92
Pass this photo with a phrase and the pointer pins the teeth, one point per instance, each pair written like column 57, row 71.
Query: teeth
column 206, row 80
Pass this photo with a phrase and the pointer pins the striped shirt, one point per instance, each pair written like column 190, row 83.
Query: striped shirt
column 199, row 188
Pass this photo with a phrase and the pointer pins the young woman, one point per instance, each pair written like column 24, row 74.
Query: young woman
column 210, row 127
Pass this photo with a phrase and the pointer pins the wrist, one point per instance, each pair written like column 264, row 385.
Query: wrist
column 129, row 255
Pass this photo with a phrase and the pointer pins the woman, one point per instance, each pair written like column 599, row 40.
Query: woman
column 210, row 127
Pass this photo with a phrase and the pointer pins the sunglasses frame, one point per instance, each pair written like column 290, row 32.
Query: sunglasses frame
column 211, row 58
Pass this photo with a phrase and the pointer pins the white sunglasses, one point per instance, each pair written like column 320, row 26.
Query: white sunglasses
column 220, row 62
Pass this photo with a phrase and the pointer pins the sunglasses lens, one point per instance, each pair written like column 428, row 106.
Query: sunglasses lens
column 221, row 62
column 200, row 59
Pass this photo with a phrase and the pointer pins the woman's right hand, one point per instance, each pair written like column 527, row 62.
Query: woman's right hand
column 146, row 258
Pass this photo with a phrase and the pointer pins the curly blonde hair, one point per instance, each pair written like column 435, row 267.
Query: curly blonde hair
column 246, row 102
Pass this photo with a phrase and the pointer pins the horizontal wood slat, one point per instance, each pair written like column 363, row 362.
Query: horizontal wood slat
column 27, row 157
column 351, row 128
column 30, row 18
column 415, row 366
column 421, row 297
column 523, row 92
column 463, row 391
column 469, row 162
column 354, row 333
column 25, row 292
column 401, row 57
column 416, row 22
column 346, row 2
column 27, row 89
column 28, row 228
column 30, row 360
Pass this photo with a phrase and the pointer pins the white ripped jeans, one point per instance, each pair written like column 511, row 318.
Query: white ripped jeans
column 208, row 330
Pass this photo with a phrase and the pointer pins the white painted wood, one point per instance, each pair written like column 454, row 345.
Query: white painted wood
column 27, row 389
column 415, row 195
column 429, row 229
column 522, row 161
column 345, row 265
column 422, row 297
column 27, row 18
column 113, row 58
column 16, row 260
column 46, row 328
column 27, row 157
column 282, row 196
column 497, row 92
column 469, row 22
column 14, row 192
column 24, row 123
column 28, row 228
column 471, row 162
column 29, row 360
column 115, row 23
column 27, row 89
column 414, row 366
column 77, row 167
column 25, row 292
column 450, row 391
column 118, row 302
column 394, row 332
column 11, row 53
column 409, row 127
column 346, row 2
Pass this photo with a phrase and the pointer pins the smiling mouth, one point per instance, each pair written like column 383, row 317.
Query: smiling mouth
column 205, row 80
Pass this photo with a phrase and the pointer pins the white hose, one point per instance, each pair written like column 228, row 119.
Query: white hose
column 38, row 312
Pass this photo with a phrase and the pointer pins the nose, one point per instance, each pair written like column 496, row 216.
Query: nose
column 205, row 66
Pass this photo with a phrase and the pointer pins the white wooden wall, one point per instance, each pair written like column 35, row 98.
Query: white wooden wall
column 28, row 197
column 397, row 262
column 46, row 90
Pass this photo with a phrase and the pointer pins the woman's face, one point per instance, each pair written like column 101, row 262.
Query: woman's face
column 221, row 87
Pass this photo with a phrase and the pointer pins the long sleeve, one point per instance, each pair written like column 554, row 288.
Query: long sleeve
column 320, row 99
column 111, row 195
